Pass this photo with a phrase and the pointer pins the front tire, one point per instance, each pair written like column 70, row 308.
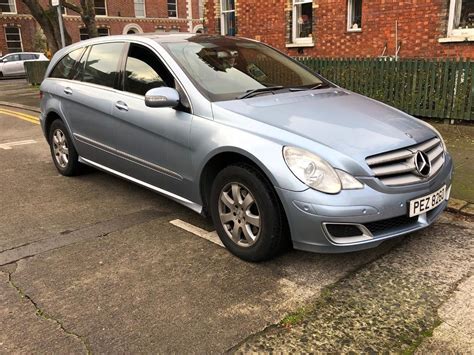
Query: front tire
column 64, row 154
column 247, row 213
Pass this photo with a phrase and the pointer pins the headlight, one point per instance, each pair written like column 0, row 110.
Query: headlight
column 317, row 173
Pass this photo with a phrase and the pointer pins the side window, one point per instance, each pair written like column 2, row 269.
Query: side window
column 65, row 66
column 79, row 70
column 13, row 58
column 102, row 64
column 27, row 56
column 144, row 71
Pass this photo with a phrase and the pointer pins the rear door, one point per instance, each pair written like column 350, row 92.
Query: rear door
column 86, row 101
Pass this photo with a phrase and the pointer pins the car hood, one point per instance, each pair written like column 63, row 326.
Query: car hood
column 350, row 123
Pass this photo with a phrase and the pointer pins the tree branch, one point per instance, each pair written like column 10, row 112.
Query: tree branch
column 71, row 6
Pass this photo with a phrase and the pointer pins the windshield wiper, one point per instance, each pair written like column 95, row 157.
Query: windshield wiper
column 250, row 93
column 317, row 86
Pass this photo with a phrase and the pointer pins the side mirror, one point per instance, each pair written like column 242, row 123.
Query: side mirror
column 162, row 97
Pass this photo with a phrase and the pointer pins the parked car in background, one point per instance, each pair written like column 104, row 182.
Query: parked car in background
column 12, row 64
column 235, row 129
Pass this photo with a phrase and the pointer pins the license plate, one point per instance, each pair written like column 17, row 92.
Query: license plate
column 428, row 202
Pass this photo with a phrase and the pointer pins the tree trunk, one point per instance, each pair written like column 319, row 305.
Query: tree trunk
column 48, row 21
column 88, row 17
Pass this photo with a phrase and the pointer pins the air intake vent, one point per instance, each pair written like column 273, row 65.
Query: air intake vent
column 409, row 165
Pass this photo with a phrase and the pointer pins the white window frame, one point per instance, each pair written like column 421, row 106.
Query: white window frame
column 144, row 8
column 295, row 39
column 106, row 10
column 19, row 33
column 15, row 9
column 456, row 32
column 167, row 9
column 350, row 8
column 223, row 13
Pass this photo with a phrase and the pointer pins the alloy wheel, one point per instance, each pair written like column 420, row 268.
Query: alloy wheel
column 60, row 148
column 239, row 214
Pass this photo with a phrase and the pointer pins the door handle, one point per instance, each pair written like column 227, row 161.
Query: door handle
column 68, row 91
column 122, row 106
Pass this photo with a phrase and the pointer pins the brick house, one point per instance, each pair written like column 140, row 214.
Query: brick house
column 350, row 28
column 18, row 28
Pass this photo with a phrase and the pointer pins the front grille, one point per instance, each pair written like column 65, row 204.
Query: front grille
column 391, row 223
column 398, row 167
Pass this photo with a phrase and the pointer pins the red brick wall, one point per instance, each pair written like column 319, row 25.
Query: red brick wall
column 27, row 29
column 420, row 24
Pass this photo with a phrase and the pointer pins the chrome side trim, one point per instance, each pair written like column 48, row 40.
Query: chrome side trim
column 129, row 157
column 194, row 206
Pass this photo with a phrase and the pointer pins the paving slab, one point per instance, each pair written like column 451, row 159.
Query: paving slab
column 469, row 209
column 456, row 204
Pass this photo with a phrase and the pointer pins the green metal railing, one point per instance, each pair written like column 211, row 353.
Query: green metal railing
column 425, row 88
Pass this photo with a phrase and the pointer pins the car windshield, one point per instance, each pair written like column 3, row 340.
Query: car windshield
column 225, row 68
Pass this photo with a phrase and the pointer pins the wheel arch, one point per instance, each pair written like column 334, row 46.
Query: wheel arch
column 219, row 160
column 50, row 117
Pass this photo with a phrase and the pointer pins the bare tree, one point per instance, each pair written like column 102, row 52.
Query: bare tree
column 48, row 20
column 86, row 10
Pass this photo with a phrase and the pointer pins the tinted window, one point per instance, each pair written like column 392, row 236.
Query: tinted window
column 66, row 65
column 12, row 58
column 27, row 56
column 102, row 63
column 144, row 71
column 79, row 69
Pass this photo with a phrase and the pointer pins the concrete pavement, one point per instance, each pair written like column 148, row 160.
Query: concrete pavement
column 92, row 264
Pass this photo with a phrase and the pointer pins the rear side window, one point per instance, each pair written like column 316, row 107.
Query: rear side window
column 144, row 71
column 65, row 67
column 102, row 64
column 27, row 56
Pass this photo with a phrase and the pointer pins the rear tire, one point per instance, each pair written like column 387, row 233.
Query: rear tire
column 64, row 154
column 247, row 213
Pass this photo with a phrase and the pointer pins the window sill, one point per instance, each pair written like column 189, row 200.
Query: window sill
column 354, row 30
column 298, row 45
column 457, row 39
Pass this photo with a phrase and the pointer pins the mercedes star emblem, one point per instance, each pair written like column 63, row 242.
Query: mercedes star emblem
column 422, row 164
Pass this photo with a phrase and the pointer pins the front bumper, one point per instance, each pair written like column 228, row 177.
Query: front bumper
column 381, row 211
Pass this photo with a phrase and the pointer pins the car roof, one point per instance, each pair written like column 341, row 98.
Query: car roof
column 163, row 37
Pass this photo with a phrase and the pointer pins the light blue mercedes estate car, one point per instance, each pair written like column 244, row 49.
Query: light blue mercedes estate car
column 234, row 129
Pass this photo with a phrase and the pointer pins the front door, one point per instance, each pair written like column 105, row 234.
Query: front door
column 12, row 65
column 153, row 143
